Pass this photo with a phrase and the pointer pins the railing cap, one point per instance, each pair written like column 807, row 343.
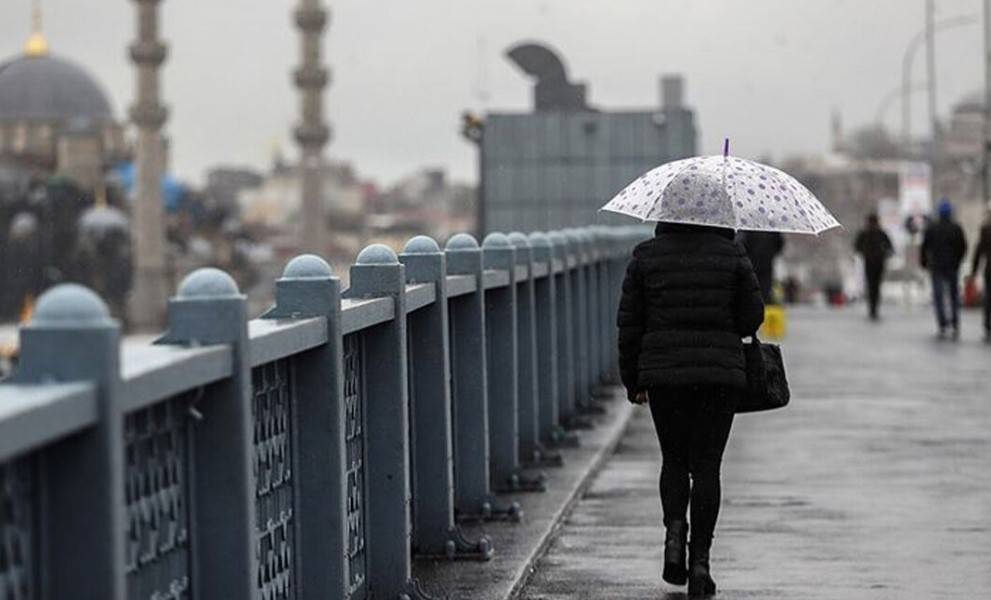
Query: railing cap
column 462, row 241
column 208, row 282
column 71, row 304
column 496, row 240
column 573, row 236
column 307, row 266
column 519, row 239
column 377, row 254
column 421, row 244
column 539, row 239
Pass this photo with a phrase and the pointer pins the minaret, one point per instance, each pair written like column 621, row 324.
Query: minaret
column 312, row 132
column 149, row 290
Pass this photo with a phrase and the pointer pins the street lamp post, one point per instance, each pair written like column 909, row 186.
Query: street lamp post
column 931, row 74
column 908, row 59
column 897, row 93
column 986, row 171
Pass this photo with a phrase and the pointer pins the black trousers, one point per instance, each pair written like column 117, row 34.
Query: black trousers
column 693, row 426
column 874, row 275
column 987, row 301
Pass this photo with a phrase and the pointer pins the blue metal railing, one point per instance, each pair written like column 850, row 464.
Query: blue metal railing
column 310, row 452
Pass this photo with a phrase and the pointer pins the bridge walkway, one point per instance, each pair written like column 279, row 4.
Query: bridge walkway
column 874, row 484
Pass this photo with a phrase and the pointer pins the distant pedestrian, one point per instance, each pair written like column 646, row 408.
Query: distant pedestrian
column 944, row 246
column 792, row 289
column 689, row 296
column 983, row 254
column 762, row 248
column 874, row 245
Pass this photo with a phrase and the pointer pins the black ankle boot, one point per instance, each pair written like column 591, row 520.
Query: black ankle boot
column 700, row 582
column 675, row 540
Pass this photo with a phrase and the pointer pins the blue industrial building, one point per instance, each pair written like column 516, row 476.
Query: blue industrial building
column 555, row 166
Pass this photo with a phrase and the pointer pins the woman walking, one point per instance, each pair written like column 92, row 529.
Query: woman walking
column 689, row 296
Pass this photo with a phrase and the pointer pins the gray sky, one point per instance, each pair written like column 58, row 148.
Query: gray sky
column 764, row 72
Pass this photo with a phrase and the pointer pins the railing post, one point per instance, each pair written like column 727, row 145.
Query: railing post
column 580, row 303
column 613, row 270
column 526, row 337
column 209, row 309
column 73, row 338
column 503, row 370
column 469, row 364
column 579, row 318
column 378, row 273
column 565, row 327
column 546, row 319
column 308, row 288
column 434, row 530
column 590, row 320
column 602, row 262
column 592, row 304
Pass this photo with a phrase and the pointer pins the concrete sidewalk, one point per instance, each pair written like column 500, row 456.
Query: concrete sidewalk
column 874, row 484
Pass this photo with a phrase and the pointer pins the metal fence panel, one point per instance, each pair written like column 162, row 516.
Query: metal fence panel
column 354, row 396
column 156, row 492
column 272, row 408
column 19, row 529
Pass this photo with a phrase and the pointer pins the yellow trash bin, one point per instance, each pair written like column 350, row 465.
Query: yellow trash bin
column 775, row 322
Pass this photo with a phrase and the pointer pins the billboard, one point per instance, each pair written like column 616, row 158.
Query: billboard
column 914, row 197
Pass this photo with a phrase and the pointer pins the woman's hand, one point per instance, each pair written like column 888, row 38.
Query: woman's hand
column 641, row 397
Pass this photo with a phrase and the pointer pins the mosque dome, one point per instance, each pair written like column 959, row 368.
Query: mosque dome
column 41, row 87
column 55, row 117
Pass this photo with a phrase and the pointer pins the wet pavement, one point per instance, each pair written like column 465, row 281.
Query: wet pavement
column 874, row 484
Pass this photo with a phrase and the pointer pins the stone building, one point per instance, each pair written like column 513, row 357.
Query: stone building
column 965, row 131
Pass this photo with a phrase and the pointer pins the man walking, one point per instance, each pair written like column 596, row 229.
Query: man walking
column 943, row 249
column 762, row 248
column 874, row 245
column 983, row 253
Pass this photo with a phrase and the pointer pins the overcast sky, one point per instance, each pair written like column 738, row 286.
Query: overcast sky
column 764, row 72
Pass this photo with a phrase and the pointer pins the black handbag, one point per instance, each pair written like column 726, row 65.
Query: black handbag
column 767, row 385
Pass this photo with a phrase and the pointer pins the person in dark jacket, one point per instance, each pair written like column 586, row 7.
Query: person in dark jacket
column 762, row 248
column 874, row 245
column 943, row 249
column 689, row 296
column 983, row 253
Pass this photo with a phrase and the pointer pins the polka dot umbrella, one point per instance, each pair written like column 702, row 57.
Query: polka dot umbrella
column 723, row 191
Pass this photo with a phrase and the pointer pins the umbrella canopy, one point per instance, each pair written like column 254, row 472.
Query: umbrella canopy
column 172, row 189
column 723, row 191
column 101, row 219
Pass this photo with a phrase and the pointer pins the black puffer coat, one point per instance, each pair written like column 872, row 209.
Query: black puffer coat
column 944, row 247
column 689, row 296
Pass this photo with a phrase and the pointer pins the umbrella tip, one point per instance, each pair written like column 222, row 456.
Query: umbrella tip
column 725, row 147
